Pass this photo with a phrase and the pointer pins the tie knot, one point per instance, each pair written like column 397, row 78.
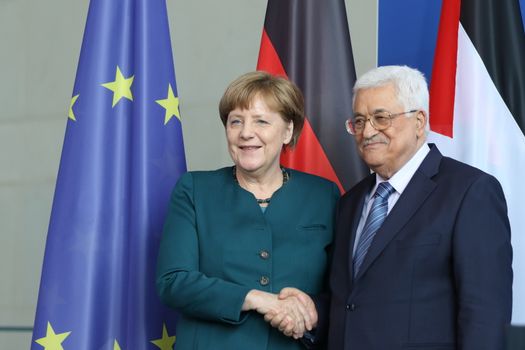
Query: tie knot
column 384, row 190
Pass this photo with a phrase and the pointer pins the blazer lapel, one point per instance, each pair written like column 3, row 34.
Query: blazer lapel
column 417, row 191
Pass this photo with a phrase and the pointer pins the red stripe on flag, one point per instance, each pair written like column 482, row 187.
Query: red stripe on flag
column 443, row 85
column 308, row 155
column 268, row 60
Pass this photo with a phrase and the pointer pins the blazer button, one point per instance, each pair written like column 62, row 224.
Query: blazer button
column 350, row 307
column 264, row 280
column 264, row 254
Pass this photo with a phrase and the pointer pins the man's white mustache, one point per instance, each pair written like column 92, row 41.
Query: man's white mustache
column 374, row 139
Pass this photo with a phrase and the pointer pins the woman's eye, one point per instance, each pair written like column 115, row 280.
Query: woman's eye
column 261, row 121
column 235, row 121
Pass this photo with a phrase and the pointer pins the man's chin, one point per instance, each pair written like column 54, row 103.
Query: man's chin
column 373, row 152
column 372, row 161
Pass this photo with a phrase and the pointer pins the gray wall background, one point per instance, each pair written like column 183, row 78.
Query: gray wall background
column 213, row 43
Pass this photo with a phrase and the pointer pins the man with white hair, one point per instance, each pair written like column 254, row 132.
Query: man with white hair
column 422, row 256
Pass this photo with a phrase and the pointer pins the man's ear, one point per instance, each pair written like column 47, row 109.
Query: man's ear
column 421, row 120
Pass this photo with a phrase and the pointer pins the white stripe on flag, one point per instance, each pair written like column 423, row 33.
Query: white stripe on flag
column 487, row 136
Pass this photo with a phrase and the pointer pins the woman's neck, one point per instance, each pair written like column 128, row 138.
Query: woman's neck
column 262, row 186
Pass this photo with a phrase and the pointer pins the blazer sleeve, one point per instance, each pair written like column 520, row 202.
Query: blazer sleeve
column 180, row 284
column 482, row 263
column 317, row 338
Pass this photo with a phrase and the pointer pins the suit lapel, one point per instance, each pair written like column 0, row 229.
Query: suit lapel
column 353, row 215
column 419, row 188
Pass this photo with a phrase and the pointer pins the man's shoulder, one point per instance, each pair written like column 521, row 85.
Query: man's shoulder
column 457, row 164
column 441, row 167
column 457, row 177
column 365, row 185
column 455, row 168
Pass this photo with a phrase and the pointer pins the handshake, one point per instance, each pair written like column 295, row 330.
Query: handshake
column 291, row 311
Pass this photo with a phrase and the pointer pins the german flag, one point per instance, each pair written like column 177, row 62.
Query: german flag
column 477, row 104
column 308, row 42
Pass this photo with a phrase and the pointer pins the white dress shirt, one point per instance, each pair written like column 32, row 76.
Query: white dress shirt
column 399, row 182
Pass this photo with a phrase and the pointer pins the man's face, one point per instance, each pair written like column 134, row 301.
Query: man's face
column 386, row 151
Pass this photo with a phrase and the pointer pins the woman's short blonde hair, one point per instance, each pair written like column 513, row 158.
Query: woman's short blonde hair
column 281, row 96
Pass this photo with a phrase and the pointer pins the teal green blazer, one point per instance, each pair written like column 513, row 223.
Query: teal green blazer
column 217, row 245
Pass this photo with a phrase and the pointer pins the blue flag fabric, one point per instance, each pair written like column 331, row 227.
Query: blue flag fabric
column 122, row 154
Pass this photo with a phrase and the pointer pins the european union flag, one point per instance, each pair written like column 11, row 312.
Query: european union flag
column 122, row 154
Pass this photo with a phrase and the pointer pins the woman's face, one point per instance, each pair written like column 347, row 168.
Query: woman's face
column 256, row 136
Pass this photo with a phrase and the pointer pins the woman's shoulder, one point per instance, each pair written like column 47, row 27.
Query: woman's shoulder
column 206, row 177
column 209, row 175
column 309, row 179
column 313, row 186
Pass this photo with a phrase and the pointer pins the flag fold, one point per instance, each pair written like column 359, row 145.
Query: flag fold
column 477, row 104
column 122, row 154
column 308, row 42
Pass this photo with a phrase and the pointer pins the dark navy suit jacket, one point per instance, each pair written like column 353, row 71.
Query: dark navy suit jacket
column 438, row 274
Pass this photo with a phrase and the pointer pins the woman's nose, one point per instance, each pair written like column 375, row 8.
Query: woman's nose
column 246, row 130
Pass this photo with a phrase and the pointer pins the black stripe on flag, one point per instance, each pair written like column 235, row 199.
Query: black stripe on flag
column 312, row 40
column 485, row 21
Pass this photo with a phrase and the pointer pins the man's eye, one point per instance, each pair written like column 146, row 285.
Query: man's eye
column 380, row 119
column 359, row 121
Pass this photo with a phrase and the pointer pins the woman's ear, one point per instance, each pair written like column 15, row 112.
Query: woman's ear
column 288, row 133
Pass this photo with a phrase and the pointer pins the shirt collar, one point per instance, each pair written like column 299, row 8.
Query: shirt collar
column 402, row 177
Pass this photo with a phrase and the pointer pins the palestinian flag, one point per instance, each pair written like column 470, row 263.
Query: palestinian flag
column 477, row 104
column 308, row 42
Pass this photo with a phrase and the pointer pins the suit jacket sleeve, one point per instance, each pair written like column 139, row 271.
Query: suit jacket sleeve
column 482, row 260
column 180, row 284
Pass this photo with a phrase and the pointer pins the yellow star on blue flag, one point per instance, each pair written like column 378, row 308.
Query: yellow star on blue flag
column 52, row 341
column 121, row 87
column 166, row 342
column 171, row 105
column 71, row 114
column 126, row 59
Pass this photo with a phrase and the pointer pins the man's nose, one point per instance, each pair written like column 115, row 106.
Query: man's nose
column 368, row 129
